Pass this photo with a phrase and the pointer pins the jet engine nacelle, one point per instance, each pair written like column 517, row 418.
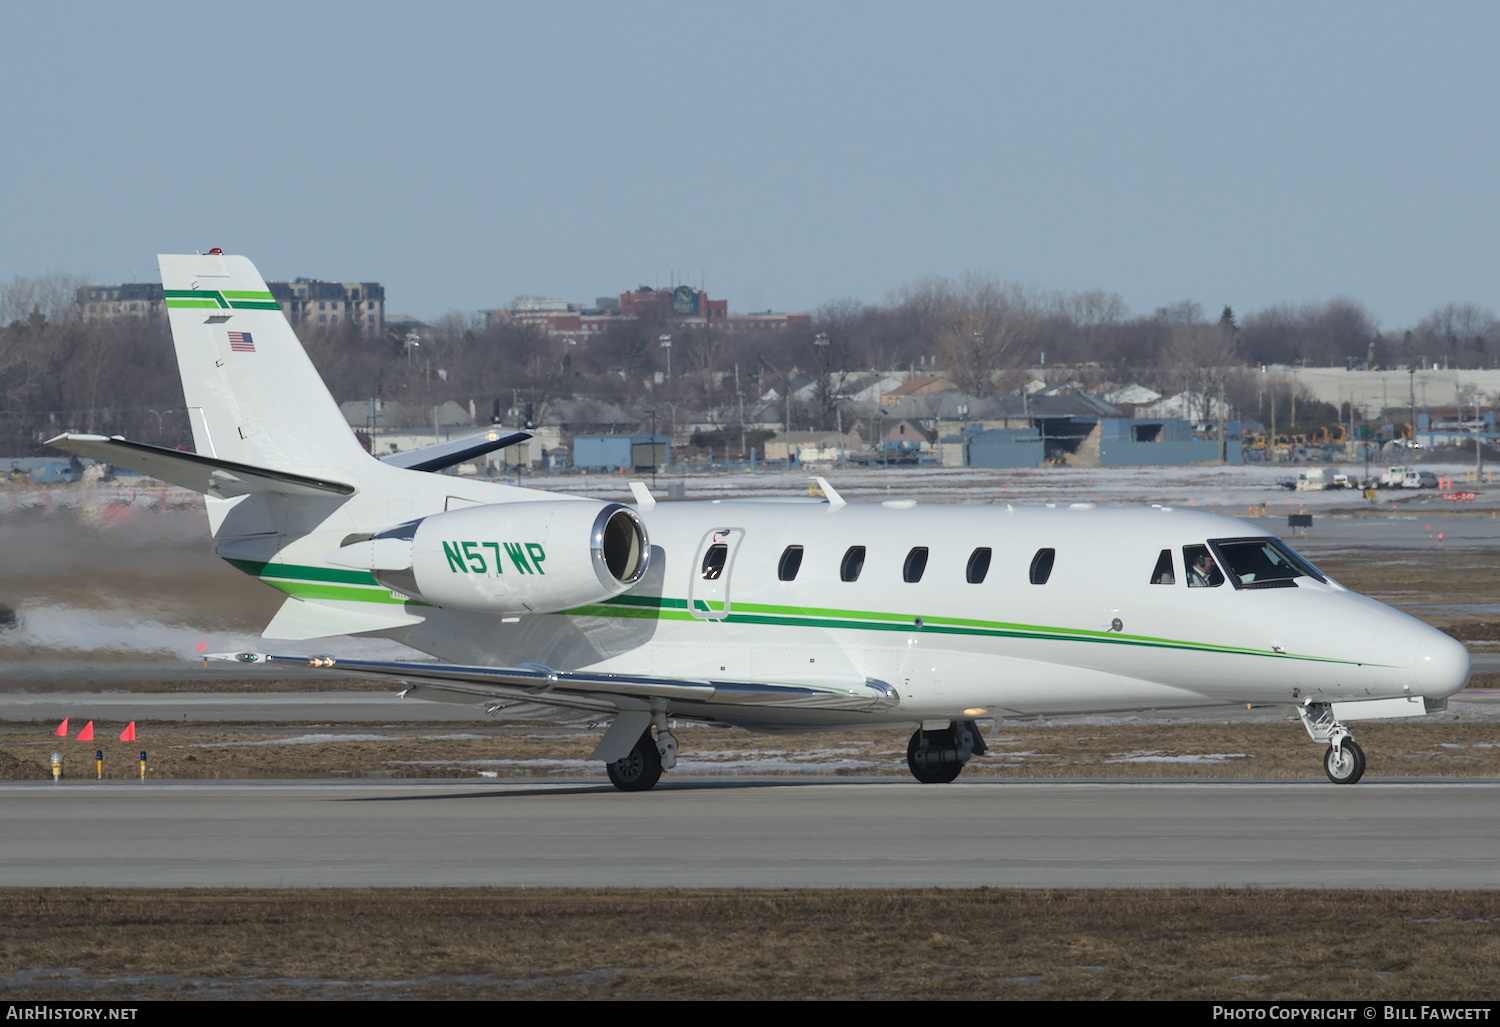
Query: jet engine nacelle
column 510, row 558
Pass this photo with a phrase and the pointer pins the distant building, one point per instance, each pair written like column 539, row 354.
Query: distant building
column 329, row 304
column 622, row 452
column 684, row 305
column 134, row 299
column 813, row 447
column 303, row 301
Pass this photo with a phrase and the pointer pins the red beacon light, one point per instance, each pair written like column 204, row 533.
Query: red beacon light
column 215, row 252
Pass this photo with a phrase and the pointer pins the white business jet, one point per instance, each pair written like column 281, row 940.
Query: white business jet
column 793, row 615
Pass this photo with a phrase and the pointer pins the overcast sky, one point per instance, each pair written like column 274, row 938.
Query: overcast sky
column 786, row 154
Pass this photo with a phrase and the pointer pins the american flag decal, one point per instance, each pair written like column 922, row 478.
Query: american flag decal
column 240, row 342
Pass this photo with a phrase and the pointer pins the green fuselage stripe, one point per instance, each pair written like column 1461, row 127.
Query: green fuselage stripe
column 335, row 583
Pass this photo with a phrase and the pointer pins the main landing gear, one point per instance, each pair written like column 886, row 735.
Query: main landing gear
column 1344, row 762
column 938, row 756
column 640, row 769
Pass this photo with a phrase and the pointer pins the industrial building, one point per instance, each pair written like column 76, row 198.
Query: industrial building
column 628, row 452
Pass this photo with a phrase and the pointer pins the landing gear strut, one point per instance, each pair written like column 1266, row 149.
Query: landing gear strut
column 938, row 757
column 1344, row 762
column 640, row 770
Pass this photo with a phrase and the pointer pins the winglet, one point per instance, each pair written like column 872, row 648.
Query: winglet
column 835, row 501
column 643, row 497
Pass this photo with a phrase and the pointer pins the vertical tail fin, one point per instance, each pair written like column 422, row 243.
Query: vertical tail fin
column 253, row 396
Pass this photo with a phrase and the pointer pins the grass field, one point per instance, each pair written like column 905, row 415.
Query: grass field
column 650, row 944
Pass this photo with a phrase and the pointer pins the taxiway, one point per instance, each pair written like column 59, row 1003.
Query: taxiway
column 771, row 832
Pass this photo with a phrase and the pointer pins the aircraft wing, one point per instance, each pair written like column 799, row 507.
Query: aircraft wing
column 222, row 479
column 450, row 454
column 531, row 683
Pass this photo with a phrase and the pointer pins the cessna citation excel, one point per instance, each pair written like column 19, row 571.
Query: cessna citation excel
column 791, row 615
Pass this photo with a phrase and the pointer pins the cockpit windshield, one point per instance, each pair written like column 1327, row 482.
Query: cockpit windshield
column 1263, row 563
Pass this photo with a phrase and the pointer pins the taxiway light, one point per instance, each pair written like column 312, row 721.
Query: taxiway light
column 56, row 767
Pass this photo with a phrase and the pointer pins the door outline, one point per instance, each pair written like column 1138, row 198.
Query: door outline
column 708, row 599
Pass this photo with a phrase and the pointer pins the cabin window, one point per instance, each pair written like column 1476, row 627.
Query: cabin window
column 1041, row 566
column 916, row 563
column 853, row 563
column 1202, row 572
column 1262, row 563
column 1163, row 574
column 791, row 563
column 713, row 561
column 979, row 565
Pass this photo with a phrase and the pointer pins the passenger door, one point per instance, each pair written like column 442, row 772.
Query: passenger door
column 708, row 586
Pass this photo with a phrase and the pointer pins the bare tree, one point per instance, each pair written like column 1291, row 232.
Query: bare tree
column 984, row 331
column 53, row 295
column 1462, row 332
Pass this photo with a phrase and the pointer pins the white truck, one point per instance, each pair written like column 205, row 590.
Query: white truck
column 1392, row 477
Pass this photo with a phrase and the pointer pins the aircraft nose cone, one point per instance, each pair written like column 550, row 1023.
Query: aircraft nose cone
column 1441, row 665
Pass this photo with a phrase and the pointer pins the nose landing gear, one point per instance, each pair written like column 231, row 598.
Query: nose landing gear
column 1344, row 762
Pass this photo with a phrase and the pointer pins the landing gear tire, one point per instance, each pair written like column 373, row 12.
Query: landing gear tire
column 1346, row 765
column 639, row 771
column 924, row 768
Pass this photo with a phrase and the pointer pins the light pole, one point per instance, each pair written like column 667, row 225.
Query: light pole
column 821, row 342
column 653, row 449
column 666, row 344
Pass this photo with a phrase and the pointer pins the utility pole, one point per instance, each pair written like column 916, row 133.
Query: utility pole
column 1223, row 444
column 1478, row 443
column 1411, row 373
column 821, row 342
column 1271, row 441
column 741, row 397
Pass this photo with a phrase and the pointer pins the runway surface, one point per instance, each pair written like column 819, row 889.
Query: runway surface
column 772, row 832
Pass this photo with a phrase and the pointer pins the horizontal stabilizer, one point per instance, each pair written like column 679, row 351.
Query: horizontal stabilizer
column 451, row 454
column 222, row 479
column 543, row 685
column 299, row 619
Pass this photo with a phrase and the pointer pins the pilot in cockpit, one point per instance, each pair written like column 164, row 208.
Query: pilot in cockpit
column 1202, row 571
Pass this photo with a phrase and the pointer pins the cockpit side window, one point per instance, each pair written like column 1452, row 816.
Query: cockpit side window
column 1163, row 574
column 1262, row 563
column 1202, row 572
column 1041, row 565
